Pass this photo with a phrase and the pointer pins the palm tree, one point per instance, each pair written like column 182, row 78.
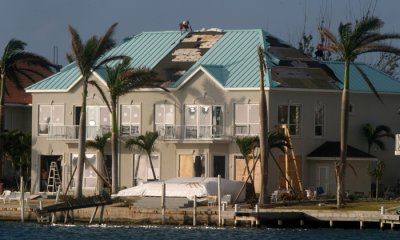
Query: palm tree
column 17, row 148
column 247, row 146
column 144, row 143
column 376, row 171
column 263, row 128
column 99, row 143
column 364, row 37
column 15, row 64
column 88, row 57
column 374, row 135
column 121, row 79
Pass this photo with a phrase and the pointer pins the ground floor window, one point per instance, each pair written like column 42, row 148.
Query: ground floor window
column 142, row 171
column 192, row 166
column 89, row 174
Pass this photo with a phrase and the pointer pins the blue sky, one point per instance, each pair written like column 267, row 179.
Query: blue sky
column 43, row 23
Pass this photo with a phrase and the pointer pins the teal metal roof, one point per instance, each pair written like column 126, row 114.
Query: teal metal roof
column 233, row 60
column 60, row 81
column 381, row 81
column 145, row 49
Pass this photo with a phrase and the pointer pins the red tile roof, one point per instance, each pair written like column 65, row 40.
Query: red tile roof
column 16, row 95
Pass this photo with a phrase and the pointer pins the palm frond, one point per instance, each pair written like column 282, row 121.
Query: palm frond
column 369, row 83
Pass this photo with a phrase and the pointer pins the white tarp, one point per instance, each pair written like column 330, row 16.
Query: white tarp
column 187, row 187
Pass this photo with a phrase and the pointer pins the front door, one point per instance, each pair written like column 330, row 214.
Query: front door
column 219, row 166
column 46, row 172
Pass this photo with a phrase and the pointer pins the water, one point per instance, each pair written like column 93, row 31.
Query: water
column 15, row 230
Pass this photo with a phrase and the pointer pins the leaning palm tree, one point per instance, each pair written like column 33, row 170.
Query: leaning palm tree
column 15, row 64
column 99, row 143
column 121, row 79
column 247, row 146
column 144, row 143
column 88, row 58
column 374, row 135
column 263, row 128
column 354, row 40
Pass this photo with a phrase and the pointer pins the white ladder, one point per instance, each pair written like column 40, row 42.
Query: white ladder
column 54, row 178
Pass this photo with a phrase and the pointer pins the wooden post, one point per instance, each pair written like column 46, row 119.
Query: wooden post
column 330, row 223
column 22, row 199
column 194, row 210
column 219, row 200
column 163, row 203
column 236, row 209
column 101, row 214
column 93, row 215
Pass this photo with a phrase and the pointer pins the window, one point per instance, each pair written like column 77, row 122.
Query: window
column 130, row 120
column 98, row 121
column 203, row 121
column 291, row 116
column 142, row 169
column 319, row 120
column 164, row 118
column 247, row 119
column 50, row 115
column 89, row 175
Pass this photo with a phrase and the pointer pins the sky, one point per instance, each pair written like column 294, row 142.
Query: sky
column 43, row 24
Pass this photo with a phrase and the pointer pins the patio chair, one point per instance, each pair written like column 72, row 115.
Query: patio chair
column 6, row 195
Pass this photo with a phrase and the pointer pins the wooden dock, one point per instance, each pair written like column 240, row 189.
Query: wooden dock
column 303, row 217
column 68, row 207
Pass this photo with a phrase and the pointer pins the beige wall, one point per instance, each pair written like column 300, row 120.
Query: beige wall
column 201, row 89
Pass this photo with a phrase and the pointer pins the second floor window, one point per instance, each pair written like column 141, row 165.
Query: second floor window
column 291, row 116
column 130, row 120
column 50, row 115
column 247, row 119
column 319, row 120
column 164, row 117
column 204, row 121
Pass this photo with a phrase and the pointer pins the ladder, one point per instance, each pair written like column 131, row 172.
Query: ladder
column 54, row 178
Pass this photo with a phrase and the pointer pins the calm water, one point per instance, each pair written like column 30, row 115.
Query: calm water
column 14, row 230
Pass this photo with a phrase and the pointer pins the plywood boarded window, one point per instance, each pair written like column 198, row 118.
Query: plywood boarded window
column 241, row 172
column 293, row 179
column 186, row 165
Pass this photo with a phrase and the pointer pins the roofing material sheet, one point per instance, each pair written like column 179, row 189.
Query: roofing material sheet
column 186, row 187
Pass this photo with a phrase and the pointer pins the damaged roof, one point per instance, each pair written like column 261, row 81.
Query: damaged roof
column 230, row 57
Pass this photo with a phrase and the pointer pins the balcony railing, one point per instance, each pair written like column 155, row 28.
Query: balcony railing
column 165, row 132
column 71, row 132
column 179, row 132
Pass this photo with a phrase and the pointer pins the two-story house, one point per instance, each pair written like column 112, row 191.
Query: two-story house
column 213, row 81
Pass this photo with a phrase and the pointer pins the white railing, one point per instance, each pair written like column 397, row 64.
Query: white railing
column 71, row 132
column 180, row 132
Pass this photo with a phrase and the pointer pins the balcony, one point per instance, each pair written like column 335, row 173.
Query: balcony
column 180, row 132
column 70, row 132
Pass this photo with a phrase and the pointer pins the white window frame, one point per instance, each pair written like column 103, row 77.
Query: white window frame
column 290, row 125
column 148, row 174
column 317, row 124
column 247, row 125
column 131, row 127
column 161, row 121
column 97, row 128
column 87, row 174
column 51, row 119
column 202, row 130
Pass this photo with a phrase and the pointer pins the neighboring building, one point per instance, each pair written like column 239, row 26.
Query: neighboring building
column 18, row 110
column 213, row 79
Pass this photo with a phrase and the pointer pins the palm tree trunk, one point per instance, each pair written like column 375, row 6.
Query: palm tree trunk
column 114, row 148
column 344, row 125
column 263, row 133
column 376, row 189
column 2, row 111
column 81, row 143
column 152, row 167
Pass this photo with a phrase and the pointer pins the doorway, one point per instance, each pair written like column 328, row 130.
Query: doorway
column 219, row 166
column 45, row 161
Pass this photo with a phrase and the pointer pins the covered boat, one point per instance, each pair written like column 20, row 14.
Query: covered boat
column 188, row 187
